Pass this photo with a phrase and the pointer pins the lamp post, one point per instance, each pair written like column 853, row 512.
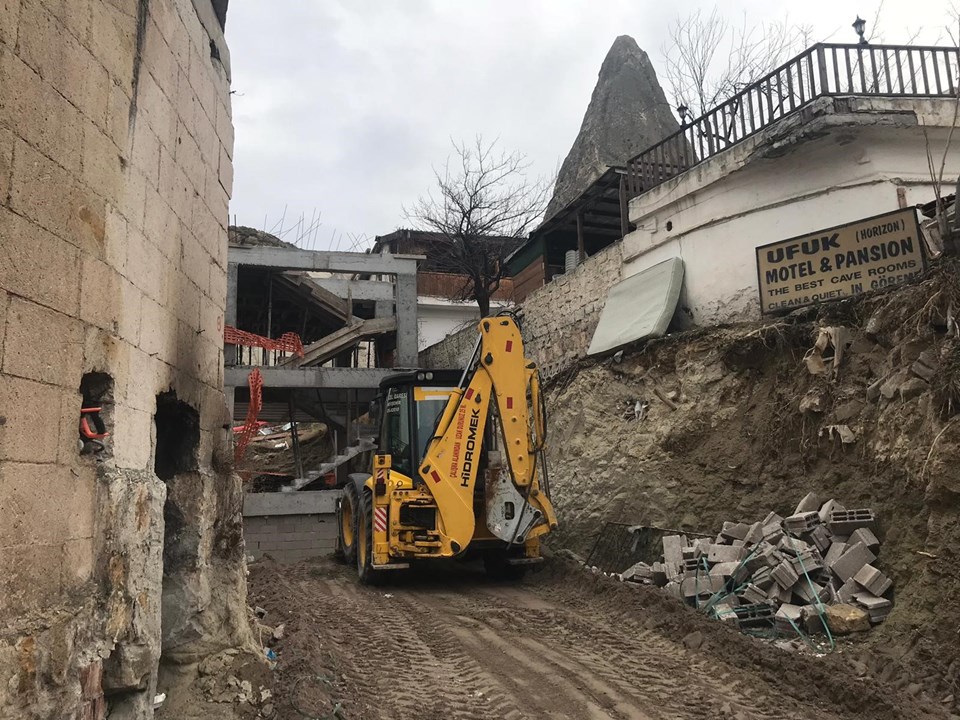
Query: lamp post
column 683, row 110
column 859, row 25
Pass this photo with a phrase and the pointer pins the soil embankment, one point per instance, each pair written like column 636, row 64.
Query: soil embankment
column 737, row 425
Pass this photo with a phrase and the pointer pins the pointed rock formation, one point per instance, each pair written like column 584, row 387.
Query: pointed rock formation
column 627, row 114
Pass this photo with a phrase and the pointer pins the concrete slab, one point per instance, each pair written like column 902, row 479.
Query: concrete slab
column 639, row 307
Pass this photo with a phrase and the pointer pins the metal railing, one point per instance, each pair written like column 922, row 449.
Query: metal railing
column 821, row 70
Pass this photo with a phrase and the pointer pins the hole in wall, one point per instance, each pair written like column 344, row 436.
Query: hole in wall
column 178, row 437
column 669, row 225
column 95, row 417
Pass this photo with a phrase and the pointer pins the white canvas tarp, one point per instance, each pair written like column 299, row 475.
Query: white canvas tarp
column 638, row 307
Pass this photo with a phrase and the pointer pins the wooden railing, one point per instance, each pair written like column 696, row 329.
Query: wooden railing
column 819, row 71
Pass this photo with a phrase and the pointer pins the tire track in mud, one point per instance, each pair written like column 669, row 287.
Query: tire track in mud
column 460, row 648
column 631, row 668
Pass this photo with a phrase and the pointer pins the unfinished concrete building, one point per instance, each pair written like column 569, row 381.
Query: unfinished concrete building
column 121, row 555
column 356, row 317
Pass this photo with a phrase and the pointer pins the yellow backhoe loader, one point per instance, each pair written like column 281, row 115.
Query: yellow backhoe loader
column 459, row 466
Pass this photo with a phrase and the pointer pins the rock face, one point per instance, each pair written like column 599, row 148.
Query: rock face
column 628, row 113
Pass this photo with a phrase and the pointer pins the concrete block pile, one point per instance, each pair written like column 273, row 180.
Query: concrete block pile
column 807, row 573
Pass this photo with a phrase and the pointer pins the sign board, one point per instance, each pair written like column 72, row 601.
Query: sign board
column 840, row 262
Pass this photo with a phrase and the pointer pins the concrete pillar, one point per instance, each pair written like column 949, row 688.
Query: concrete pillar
column 407, row 321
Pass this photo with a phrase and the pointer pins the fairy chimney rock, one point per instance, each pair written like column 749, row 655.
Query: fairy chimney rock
column 628, row 113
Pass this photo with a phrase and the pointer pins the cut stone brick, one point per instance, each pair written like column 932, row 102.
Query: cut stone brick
column 802, row 522
column 869, row 578
column 703, row 585
column 763, row 578
column 821, row 538
column 724, row 569
column 809, row 503
column 753, row 594
column 844, row 522
column 771, row 519
column 793, row 546
column 810, row 592
column 854, row 558
column 877, row 607
column 865, row 536
column 828, row 507
column 734, row 531
column 726, row 553
column 673, row 549
column 784, row 575
column 787, row 619
column 808, row 562
column 754, row 535
column 847, row 591
column 658, row 574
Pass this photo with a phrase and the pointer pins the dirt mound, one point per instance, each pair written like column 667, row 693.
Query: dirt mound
column 737, row 425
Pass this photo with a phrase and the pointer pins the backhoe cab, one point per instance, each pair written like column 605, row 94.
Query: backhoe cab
column 459, row 465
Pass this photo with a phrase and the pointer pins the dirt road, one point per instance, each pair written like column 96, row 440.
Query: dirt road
column 455, row 646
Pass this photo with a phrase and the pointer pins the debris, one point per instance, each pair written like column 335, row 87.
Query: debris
column 618, row 356
column 278, row 632
column 818, row 357
column 260, row 612
column 844, row 432
column 804, row 574
column 158, row 700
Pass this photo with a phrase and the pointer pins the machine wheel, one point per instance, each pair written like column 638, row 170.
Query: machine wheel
column 497, row 568
column 347, row 514
column 364, row 549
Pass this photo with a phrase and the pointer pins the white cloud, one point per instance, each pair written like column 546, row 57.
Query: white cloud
column 344, row 106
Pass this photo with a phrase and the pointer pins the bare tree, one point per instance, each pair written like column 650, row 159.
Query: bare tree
column 708, row 60
column 482, row 207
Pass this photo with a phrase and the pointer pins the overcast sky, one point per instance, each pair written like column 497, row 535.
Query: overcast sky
column 342, row 107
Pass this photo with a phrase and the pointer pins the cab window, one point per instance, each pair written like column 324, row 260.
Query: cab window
column 396, row 429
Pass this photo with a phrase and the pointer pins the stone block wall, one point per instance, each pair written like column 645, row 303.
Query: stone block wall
column 289, row 538
column 290, row 526
column 115, row 174
column 559, row 318
column 451, row 352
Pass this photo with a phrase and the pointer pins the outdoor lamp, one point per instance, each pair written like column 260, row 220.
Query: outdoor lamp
column 683, row 110
column 860, row 25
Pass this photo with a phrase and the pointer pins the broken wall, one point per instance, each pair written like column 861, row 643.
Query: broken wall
column 115, row 174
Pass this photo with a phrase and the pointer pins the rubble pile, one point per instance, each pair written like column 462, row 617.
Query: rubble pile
column 807, row 573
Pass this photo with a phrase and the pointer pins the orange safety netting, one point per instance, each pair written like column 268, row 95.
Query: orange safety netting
column 251, row 426
column 288, row 342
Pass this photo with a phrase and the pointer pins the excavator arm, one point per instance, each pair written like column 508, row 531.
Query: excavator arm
column 518, row 506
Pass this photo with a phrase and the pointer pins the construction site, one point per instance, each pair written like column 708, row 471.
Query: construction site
column 682, row 443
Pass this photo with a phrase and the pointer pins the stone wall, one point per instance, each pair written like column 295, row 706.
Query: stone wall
column 559, row 318
column 115, row 173
column 290, row 526
column 451, row 352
